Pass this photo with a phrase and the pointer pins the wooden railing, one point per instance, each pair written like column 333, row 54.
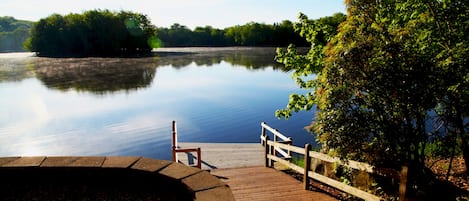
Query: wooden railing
column 280, row 151
column 176, row 149
column 278, row 138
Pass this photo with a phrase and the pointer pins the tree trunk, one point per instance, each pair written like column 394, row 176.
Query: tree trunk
column 463, row 140
column 465, row 150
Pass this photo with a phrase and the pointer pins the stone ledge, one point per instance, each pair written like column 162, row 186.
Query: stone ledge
column 202, row 184
column 150, row 164
column 25, row 162
column 214, row 194
column 179, row 171
column 7, row 160
column 120, row 161
column 202, row 181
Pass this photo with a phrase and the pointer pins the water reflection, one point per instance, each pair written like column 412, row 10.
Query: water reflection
column 97, row 75
column 109, row 75
column 15, row 67
column 248, row 57
column 46, row 113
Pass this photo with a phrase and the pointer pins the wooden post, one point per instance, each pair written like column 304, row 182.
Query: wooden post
column 275, row 140
column 263, row 134
column 272, row 152
column 307, row 165
column 266, row 152
column 288, row 151
column 403, row 183
column 174, row 142
column 199, row 158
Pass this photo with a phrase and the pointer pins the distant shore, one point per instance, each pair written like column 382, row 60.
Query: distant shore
column 166, row 51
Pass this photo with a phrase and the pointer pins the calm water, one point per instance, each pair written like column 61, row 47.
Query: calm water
column 124, row 106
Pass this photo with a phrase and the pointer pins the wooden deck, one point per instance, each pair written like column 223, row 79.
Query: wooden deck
column 241, row 166
column 261, row 183
column 224, row 155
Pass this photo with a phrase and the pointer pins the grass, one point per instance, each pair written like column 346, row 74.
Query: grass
column 298, row 160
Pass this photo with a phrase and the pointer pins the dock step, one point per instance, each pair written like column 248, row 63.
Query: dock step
column 224, row 155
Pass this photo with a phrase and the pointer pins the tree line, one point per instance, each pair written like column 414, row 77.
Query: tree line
column 391, row 85
column 102, row 32
column 250, row 34
column 93, row 33
column 13, row 33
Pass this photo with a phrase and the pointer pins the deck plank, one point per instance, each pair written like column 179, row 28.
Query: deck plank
column 260, row 183
column 224, row 155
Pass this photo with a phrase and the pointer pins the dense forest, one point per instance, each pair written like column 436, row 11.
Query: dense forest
column 102, row 33
column 13, row 33
column 251, row 34
column 93, row 33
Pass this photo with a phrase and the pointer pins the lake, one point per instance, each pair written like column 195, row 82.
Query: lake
column 124, row 106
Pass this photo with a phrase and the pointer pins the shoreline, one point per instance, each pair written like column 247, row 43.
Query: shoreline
column 164, row 51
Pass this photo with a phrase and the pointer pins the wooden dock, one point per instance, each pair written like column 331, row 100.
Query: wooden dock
column 223, row 155
column 241, row 166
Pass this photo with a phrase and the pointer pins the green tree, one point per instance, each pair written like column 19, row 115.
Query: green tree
column 178, row 35
column 389, row 65
column 93, row 33
column 378, row 85
column 251, row 34
column 305, row 67
column 13, row 33
column 450, row 28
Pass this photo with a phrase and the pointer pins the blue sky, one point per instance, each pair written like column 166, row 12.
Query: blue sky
column 192, row 13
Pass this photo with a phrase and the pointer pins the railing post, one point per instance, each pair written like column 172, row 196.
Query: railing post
column 403, row 183
column 275, row 140
column 272, row 152
column 266, row 152
column 199, row 158
column 290, row 143
column 174, row 142
column 263, row 134
column 307, row 165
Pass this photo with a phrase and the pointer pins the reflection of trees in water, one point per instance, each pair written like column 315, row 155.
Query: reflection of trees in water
column 16, row 69
column 97, row 75
column 251, row 58
column 103, row 75
column 107, row 75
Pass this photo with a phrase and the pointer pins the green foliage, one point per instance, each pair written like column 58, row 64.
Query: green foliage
column 93, row 33
column 376, row 78
column 250, row 34
column 442, row 148
column 345, row 174
column 13, row 33
column 305, row 66
column 126, row 26
column 298, row 160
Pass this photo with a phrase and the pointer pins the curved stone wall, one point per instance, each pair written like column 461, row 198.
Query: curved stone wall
column 119, row 176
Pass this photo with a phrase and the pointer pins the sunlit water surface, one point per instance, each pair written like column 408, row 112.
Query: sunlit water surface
column 124, row 106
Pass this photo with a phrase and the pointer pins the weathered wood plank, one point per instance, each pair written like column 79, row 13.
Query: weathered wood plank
column 344, row 187
column 260, row 183
column 287, row 147
column 224, row 155
column 352, row 164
